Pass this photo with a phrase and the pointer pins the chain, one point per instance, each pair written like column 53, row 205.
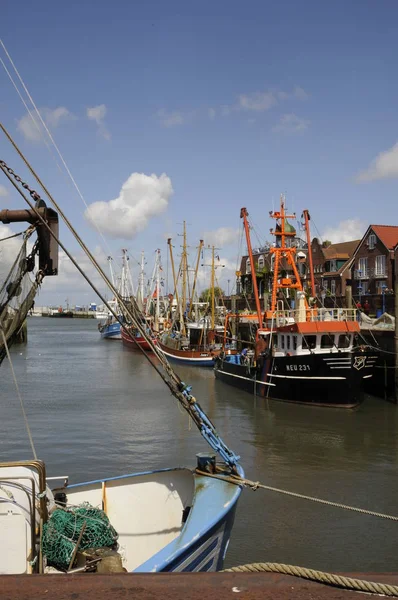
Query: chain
column 34, row 195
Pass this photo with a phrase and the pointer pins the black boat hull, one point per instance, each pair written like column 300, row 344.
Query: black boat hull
column 318, row 379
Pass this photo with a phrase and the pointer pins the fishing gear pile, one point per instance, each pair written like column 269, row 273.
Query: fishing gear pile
column 63, row 532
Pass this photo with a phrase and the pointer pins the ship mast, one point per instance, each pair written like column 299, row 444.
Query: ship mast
column 184, row 269
column 243, row 215
column 173, row 270
column 141, row 283
column 157, row 313
column 283, row 250
column 212, row 289
column 307, row 231
column 195, row 277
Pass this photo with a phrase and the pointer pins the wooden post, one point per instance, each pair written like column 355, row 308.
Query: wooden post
column 348, row 297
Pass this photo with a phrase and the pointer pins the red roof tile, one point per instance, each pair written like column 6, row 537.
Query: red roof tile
column 388, row 234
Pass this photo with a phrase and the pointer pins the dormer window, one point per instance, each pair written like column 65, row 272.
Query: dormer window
column 261, row 262
column 371, row 241
column 248, row 266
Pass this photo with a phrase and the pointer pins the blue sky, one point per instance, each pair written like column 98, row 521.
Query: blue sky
column 234, row 102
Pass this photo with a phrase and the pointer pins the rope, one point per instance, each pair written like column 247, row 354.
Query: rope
column 131, row 312
column 12, row 236
column 254, row 485
column 347, row 583
column 19, row 395
column 58, row 151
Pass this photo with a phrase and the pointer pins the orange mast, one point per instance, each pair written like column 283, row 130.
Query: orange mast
column 307, row 231
column 243, row 215
column 281, row 250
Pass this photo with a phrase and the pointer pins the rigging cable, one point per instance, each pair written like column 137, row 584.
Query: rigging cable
column 19, row 394
column 173, row 381
column 46, row 130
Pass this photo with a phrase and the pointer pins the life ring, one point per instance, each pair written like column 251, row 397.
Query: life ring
column 167, row 324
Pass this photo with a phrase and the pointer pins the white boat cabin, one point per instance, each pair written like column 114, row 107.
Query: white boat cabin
column 294, row 343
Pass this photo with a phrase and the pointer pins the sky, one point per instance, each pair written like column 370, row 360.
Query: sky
column 173, row 111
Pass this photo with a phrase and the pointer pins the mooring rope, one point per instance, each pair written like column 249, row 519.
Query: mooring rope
column 254, row 485
column 340, row 581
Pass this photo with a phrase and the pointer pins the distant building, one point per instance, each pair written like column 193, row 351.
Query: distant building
column 373, row 266
column 332, row 266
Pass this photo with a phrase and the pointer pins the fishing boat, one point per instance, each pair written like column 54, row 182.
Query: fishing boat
column 133, row 339
column 187, row 341
column 308, row 354
column 175, row 519
column 110, row 328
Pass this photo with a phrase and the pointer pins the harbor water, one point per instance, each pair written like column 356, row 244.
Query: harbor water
column 98, row 409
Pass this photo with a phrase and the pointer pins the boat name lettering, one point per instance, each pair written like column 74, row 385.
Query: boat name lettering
column 298, row 368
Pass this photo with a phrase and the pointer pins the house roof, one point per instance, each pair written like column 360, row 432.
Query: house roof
column 388, row 234
column 343, row 250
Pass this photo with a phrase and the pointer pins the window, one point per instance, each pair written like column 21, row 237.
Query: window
column 248, row 266
column 333, row 287
column 344, row 340
column 380, row 287
column 380, row 265
column 272, row 261
column 282, row 342
column 325, row 284
column 371, row 241
column 363, row 267
column 309, row 342
column 332, row 266
column 327, row 341
column 363, row 287
column 288, row 342
column 295, row 342
column 260, row 262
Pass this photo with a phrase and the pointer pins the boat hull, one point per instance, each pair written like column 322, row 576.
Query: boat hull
column 201, row 543
column 138, row 341
column 111, row 332
column 197, row 358
column 335, row 380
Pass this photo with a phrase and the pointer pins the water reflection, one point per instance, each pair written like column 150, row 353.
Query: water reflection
column 98, row 409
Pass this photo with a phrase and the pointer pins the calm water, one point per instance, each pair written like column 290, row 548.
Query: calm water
column 98, row 409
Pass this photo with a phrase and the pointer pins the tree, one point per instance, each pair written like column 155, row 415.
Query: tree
column 205, row 296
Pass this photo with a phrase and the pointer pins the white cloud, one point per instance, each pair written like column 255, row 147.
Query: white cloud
column 173, row 118
column 31, row 127
column 141, row 198
column 384, row 166
column 291, row 123
column 97, row 114
column 259, row 101
column 223, row 236
column 70, row 282
column 299, row 93
column 170, row 119
column 8, row 249
column 3, row 191
column 350, row 229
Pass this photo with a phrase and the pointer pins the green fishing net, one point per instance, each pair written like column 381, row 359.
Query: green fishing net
column 62, row 530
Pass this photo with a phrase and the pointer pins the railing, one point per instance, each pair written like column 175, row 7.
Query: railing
column 363, row 274
column 284, row 317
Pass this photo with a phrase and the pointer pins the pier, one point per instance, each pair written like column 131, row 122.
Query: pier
column 175, row 586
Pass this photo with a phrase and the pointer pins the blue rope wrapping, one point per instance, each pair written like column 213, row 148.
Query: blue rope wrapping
column 208, row 431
